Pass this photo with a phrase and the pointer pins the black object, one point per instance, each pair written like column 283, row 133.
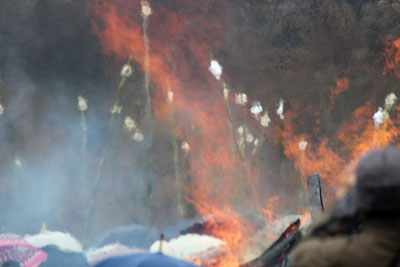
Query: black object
column 276, row 254
column 315, row 200
column 195, row 225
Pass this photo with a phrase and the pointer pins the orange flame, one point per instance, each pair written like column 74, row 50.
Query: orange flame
column 271, row 208
column 392, row 54
column 354, row 137
column 200, row 110
column 342, row 84
column 213, row 164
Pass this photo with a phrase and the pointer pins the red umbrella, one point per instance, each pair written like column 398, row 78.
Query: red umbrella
column 14, row 247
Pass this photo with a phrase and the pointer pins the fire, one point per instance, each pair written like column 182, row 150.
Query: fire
column 353, row 138
column 271, row 208
column 218, row 171
column 392, row 54
column 306, row 217
column 213, row 164
column 229, row 226
column 318, row 157
column 342, row 84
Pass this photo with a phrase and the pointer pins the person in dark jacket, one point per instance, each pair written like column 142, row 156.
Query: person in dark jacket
column 362, row 228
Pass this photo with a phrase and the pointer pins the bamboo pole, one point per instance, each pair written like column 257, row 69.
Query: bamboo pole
column 146, row 11
column 178, row 181
column 100, row 170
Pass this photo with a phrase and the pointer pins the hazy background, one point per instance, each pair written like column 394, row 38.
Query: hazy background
column 50, row 53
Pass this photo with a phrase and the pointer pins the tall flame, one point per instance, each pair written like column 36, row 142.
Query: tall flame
column 212, row 162
column 203, row 119
column 342, row 84
column 353, row 138
column 392, row 62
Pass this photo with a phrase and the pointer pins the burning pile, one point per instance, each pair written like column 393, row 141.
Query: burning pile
column 223, row 173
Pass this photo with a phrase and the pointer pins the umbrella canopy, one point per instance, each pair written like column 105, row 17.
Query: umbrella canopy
column 133, row 235
column 64, row 241
column 14, row 247
column 144, row 260
column 60, row 258
column 96, row 255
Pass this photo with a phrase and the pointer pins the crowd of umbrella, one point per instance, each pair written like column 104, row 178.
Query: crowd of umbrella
column 130, row 245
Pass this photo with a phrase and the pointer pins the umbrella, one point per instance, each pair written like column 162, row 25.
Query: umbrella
column 64, row 241
column 14, row 247
column 144, row 260
column 132, row 235
column 60, row 258
column 98, row 254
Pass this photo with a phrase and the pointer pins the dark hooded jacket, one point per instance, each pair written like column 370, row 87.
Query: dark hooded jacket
column 363, row 228
column 373, row 243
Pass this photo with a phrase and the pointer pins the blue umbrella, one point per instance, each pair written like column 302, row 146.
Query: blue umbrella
column 144, row 260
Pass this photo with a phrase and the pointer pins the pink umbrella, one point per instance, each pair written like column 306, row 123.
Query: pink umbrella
column 14, row 247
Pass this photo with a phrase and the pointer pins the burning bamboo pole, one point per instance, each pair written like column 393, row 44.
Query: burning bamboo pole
column 170, row 99
column 244, row 136
column 116, row 109
column 264, row 122
column 277, row 253
column 303, row 186
column 232, row 127
column 216, row 70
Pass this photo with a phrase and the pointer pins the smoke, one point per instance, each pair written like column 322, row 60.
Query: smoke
column 51, row 52
column 49, row 56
